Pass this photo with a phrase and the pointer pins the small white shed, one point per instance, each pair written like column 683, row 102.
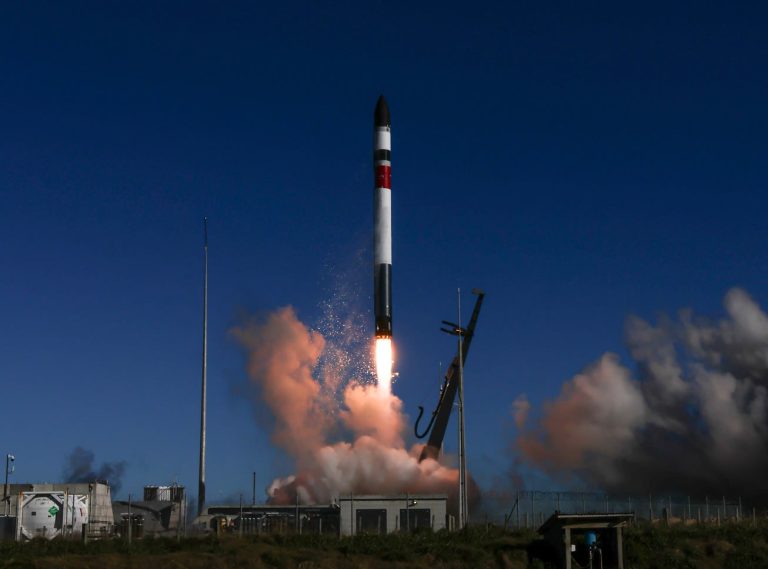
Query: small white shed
column 378, row 514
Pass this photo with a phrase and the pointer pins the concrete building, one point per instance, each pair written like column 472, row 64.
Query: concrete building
column 377, row 514
column 348, row 515
column 162, row 512
column 65, row 510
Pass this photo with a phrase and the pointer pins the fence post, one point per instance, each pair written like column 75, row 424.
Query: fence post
column 669, row 512
column 650, row 508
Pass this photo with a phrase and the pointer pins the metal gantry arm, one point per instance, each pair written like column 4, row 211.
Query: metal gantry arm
column 438, row 423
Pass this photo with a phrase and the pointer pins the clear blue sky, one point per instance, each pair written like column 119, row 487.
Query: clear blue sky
column 579, row 162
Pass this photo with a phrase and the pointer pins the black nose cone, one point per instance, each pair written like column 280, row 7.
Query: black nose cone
column 381, row 114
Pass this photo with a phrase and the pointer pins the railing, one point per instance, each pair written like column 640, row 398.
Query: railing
column 530, row 508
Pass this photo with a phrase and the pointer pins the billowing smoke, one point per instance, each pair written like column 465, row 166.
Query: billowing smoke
column 344, row 433
column 690, row 416
column 79, row 468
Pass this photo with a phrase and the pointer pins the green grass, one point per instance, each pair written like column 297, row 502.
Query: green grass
column 646, row 547
column 729, row 546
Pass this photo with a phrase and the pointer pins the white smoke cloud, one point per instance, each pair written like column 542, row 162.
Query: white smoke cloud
column 288, row 364
column 283, row 354
column 693, row 417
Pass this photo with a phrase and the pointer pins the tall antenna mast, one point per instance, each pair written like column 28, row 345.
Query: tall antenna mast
column 201, row 484
column 463, row 502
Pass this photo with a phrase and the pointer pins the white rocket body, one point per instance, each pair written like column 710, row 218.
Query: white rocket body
column 382, row 220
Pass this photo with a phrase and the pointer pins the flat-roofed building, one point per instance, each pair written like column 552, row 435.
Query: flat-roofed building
column 380, row 514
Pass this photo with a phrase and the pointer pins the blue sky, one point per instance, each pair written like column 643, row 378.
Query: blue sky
column 578, row 162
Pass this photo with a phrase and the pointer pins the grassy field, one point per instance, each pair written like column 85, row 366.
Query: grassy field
column 726, row 547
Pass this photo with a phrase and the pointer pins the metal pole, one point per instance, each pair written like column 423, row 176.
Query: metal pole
column 130, row 520
column 201, row 473
column 407, row 515
column 9, row 458
column 90, row 503
column 254, row 489
column 517, row 503
column 650, row 507
column 240, row 525
column 179, row 504
column 297, row 511
column 669, row 511
column 464, row 505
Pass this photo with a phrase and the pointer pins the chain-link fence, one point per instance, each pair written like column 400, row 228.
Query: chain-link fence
column 530, row 508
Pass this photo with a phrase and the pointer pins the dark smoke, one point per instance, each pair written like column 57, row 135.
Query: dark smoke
column 79, row 468
column 692, row 418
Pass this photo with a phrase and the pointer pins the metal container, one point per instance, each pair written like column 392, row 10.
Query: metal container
column 52, row 514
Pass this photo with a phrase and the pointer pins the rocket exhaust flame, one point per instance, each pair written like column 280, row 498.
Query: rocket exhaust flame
column 354, row 447
column 384, row 361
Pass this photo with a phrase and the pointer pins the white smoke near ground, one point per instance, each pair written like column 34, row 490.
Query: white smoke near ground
column 344, row 433
column 692, row 417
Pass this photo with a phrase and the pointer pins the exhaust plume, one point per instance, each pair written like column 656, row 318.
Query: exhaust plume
column 384, row 363
column 690, row 416
column 79, row 468
column 344, row 432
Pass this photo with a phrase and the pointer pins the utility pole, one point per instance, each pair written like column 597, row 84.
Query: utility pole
column 298, row 524
column 130, row 521
column 10, row 465
column 201, row 478
column 463, row 503
column 457, row 330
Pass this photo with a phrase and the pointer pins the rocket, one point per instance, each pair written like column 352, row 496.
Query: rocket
column 382, row 220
